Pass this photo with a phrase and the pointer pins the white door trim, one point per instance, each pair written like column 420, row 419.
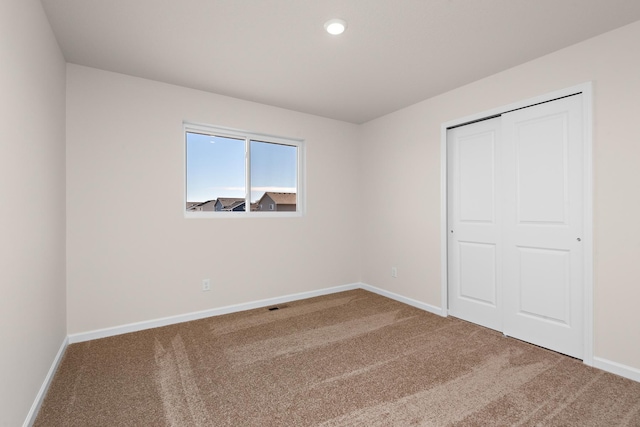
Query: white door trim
column 587, row 92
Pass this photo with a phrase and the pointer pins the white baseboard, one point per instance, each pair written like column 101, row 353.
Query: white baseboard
column 617, row 368
column 35, row 407
column 600, row 363
column 409, row 301
column 165, row 321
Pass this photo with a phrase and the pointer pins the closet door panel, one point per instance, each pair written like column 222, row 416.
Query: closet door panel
column 543, row 206
column 474, row 248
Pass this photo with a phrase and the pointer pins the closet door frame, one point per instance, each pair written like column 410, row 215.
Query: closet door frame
column 586, row 89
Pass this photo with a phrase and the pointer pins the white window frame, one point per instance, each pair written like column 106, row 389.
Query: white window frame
column 247, row 136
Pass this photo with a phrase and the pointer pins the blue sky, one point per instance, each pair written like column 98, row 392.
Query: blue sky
column 216, row 168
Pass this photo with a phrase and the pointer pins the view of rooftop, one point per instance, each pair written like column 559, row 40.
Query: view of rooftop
column 270, row 201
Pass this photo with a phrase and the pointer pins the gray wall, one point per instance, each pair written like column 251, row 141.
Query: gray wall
column 32, row 212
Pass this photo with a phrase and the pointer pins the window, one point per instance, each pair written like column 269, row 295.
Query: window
column 236, row 173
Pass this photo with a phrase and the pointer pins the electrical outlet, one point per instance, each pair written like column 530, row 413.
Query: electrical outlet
column 206, row 285
column 394, row 272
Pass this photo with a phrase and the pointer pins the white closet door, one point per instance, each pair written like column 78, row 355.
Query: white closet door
column 542, row 225
column 474, row 247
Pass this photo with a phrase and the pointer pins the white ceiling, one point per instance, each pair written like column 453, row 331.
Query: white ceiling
column 393, row 54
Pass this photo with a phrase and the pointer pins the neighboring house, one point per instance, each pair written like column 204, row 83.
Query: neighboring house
column 237, row 207
column 272, row 201
column 227, row 204
column 221, row 205
column 209, row 205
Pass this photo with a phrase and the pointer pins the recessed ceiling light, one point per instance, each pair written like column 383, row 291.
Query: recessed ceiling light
column 335, row 26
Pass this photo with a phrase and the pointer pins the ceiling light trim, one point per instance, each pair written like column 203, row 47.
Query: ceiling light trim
column 335, row 26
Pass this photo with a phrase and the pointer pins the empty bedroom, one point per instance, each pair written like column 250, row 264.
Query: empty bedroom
column 305, row 213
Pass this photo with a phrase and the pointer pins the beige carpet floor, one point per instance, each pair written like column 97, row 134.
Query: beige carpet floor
column 347, row 359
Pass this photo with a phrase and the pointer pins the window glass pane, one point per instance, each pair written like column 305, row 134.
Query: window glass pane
column 273, row 177
column 215, row 173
